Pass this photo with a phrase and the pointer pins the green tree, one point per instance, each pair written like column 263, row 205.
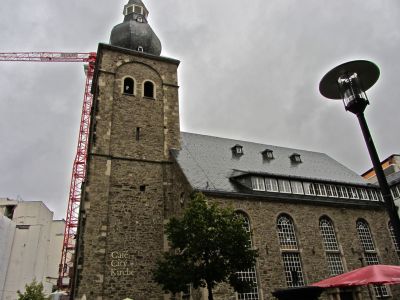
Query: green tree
column 208, row 245
column 33, row 291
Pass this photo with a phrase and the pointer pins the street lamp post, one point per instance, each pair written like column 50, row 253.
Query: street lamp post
column 348, row 82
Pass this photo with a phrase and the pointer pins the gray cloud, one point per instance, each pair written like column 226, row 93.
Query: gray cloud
column 250, row 70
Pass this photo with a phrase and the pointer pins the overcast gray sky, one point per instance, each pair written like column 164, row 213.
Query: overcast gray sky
column 249, row 70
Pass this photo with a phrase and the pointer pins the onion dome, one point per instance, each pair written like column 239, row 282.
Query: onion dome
column 135, row 32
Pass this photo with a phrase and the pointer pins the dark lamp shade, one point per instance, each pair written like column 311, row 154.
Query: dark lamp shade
column 351, row 78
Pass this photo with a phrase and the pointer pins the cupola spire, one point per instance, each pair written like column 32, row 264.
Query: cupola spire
column 134, row 32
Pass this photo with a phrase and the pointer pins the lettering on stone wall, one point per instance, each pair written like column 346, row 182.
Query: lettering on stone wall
column 121, row 264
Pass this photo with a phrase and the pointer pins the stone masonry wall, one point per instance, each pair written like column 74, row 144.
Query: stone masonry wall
column 129, row 179
column 263, row 216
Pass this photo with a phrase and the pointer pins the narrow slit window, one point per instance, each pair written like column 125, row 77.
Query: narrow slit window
column 129, row 86
column 137, row 134
column 148, row 89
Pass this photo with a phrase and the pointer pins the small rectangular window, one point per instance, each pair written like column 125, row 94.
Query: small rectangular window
column 258, row 183
column 297, row 187
column 284, row 186
column 317, row 189
column 373, row 195
column 328, row 190
column 309, row 188
column 129, row 10
column 339, row 192
column 344, row 192
column 395, row 192
column 138, row 9
column 353, row 193
column 363, row 194
column 322, row 189
column 331, row 190
column 271, row 185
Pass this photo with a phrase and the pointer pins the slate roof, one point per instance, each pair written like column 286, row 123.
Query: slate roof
column 208, row 163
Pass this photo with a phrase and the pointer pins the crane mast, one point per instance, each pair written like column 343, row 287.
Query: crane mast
column 79, row 165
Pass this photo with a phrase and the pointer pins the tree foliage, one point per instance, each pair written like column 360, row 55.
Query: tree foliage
column 33, row 291
column 208, row 245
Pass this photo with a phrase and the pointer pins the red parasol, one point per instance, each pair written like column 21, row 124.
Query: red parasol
column 373, row 274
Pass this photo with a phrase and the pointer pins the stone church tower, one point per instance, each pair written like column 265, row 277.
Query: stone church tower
column 135, row 122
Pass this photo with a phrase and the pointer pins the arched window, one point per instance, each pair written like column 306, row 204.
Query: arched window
column 290, row 251
column 129, row 86
column 392, row 235
column 249, row 274
column 333, row 255
column 148, row 89
column 370, row 255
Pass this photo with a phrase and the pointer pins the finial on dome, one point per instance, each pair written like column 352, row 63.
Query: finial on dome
column 134, row 32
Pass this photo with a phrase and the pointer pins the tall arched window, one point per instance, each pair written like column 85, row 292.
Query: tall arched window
column 148, row 89
column 332, row 251
column 129, row 86
column 370, row 255
column 249, row 274
column 392, row 235
column 290, row 251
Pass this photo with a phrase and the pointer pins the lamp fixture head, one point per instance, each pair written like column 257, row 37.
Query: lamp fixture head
column 348, row 82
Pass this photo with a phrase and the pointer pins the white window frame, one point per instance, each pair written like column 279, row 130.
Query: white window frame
column 127, row 12
column 363, row 194
column 141, row 9
column 395, row 192
column 258, row 183
column 297, row 187
column 353, row 193
column 271, row 185
column 322, row 189
column 284, row 186
column 373, row 195
column 334, row 191
column 345, row 192
column 309, row 188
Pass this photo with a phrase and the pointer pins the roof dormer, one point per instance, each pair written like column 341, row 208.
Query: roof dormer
column 237, row 150
column 268, row 154
column 295, row 158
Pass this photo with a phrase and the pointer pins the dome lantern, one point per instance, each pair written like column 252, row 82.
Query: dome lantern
column 134, row 32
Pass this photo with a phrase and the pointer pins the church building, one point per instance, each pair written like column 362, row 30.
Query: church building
column 310, row 216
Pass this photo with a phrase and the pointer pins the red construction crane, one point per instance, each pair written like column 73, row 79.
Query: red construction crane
column 79, row 166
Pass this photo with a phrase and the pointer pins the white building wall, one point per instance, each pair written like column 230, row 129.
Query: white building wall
column 36, row 249
column 55, row 249
column 7, row 230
